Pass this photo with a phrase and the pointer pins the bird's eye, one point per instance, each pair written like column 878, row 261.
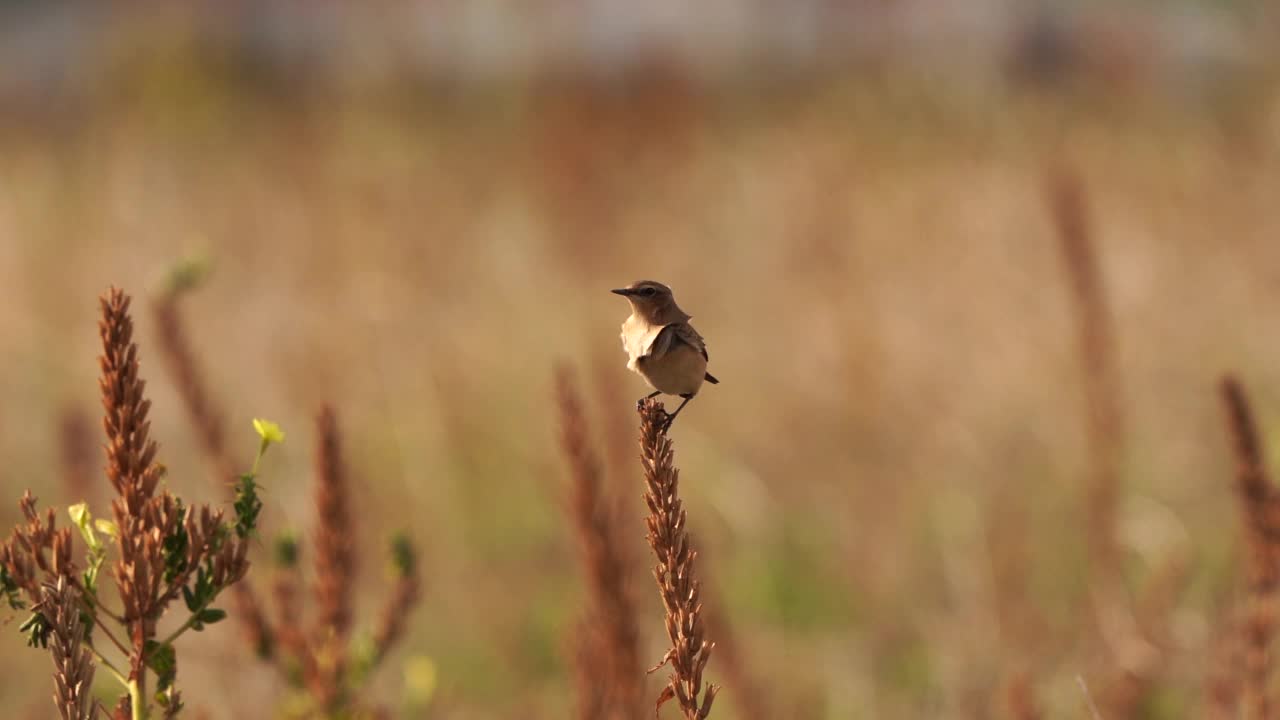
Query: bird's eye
column 648, row 292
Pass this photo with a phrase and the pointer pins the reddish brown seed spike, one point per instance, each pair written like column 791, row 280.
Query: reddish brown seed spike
column 674, row 574
column 667, row 694
column 708, row 699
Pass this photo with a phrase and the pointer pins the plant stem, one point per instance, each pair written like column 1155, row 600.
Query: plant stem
column 137, row 705
column 190, row 621
column 97, row 623
column 110, row 668
column 98, row 604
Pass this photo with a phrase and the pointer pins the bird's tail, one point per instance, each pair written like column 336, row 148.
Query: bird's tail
column 712, row 379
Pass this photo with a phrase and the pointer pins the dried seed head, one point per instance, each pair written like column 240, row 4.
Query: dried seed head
column 72, row 663
column 674, row 573
column 334, row 546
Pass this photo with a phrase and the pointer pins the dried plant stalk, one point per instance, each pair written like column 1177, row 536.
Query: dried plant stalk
column 72, row 662
column 1020, row 698
column 134, row 476
column 608, row 646
column 207, row 420
column 203, row 413
column 148, row 574
column 334, row 558
column 130, row 451
column 254, row 626
column 669, row 539
column 1222, row 685
column 1259, row 505
column 590, row 686
column 75, row 438
column 334, row 547
column 1105, row 427
column 403, row 598
column 36, row 550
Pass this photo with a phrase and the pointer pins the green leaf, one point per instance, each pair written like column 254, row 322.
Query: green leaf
column 94, row 561
column 209, row 616
column 286, row 550
column 37, row 629
column 403, row 558
column 9, row 588
column 247, row 506
column 162, row 660
column 190, row 599
column 188, row 274
column 174, row 550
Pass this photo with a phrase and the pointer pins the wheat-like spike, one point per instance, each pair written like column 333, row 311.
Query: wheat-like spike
column 72, row 662
column 677, row 585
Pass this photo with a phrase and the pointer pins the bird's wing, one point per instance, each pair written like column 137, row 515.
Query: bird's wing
column 676, row 333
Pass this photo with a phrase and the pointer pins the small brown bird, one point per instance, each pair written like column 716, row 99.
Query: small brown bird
column 662, row 346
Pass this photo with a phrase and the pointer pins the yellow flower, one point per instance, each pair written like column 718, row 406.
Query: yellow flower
column 269, row 431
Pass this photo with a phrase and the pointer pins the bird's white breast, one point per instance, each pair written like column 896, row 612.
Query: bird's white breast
column 637, row 337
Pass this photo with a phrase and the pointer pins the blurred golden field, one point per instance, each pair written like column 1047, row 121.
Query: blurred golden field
column 889, row 484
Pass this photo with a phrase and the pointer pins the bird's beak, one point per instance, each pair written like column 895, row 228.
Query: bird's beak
column 622, row 291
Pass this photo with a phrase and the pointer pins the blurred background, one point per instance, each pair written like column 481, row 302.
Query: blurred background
column 413, row 211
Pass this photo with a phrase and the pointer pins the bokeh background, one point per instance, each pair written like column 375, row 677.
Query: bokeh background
column 413, row 211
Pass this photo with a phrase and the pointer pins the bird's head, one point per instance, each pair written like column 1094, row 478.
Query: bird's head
column 652, row 300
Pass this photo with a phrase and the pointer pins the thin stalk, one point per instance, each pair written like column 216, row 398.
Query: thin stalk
column 115, row 673
column 98, row 604
column 137, row 706
column 190, row 621
column 97, row 623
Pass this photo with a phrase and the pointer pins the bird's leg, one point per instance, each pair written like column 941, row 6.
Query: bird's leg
column 672, row 417
column 650, row 396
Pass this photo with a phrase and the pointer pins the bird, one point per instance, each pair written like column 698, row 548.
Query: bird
column 661, row 346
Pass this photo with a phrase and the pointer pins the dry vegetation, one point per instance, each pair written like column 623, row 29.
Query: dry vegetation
column 965, row 460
